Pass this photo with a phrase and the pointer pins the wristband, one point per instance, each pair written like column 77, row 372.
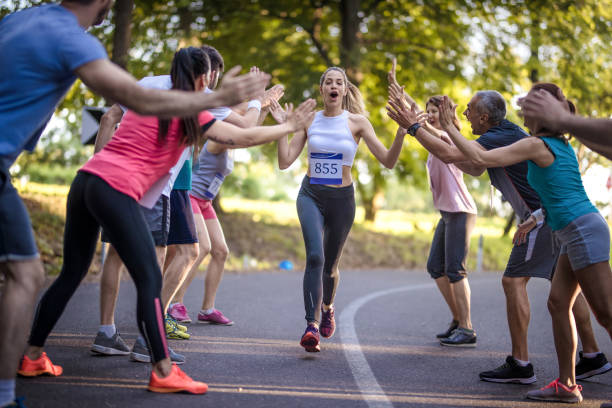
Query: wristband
column 538, row 215
column 254, row 103
column 413, row 129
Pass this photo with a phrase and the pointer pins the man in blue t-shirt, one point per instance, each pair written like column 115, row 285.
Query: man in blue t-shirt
column 536, row 257
column 44, row 50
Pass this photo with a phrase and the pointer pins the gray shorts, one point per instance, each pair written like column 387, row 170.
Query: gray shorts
column 586, row 240
column 450, row 245
column 158, row 221
column 536, row 258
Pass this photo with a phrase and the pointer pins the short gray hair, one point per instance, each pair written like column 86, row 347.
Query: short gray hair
column 493, row 104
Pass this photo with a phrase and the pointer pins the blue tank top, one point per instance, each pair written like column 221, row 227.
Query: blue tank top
column 210, row 173
column 560, row 185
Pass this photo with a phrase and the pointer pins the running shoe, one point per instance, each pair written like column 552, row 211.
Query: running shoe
column 588, row 367
column 606, row 405
column 216, row 317
column 178, row 311
column 173, row 321
column 310, row 339
column 41, row 366
column 110, row 346
column 460, row 337
column 452, row 326
column 510, row 372
column 176, row 381
column 140, row 353
column 328, row 322
column 557, row 392
column 173, row 331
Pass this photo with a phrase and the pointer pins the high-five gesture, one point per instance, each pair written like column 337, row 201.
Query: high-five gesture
column 447, row 114
column 404, row 116
column 235, row 89
column 278, row 113
column 394, row 86
column 301, row 117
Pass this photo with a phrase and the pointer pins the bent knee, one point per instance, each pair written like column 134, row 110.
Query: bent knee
column 28, row 275
column 220, row 253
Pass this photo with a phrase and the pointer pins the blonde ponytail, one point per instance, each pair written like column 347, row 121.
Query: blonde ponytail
column 352, row 101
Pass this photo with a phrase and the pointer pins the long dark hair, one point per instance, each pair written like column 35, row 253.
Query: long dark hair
column 554, row 89
column 188, row 64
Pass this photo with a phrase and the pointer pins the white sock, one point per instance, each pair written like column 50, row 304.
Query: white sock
column 208, row 311
column 7, row 392
column 590, row 355
column 108, row 329
column 521, row 362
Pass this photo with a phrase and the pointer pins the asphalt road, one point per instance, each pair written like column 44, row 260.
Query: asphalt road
column 384, row 353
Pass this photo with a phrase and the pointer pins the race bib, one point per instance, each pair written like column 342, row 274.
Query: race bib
column 326, row 168
column 215, row 185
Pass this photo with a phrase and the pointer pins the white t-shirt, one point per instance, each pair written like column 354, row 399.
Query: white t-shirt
column 220, row 113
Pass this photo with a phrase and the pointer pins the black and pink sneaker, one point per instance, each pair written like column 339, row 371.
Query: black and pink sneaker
column 310, row 339
column 328, row 323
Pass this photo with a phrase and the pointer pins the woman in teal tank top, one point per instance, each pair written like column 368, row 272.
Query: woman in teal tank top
column 578, row 227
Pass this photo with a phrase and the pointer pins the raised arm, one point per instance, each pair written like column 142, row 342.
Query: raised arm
column 288, row 151
column 236, row 137
column 387, row 157
column 112, row 82
column 596, row 134
column 528, row 148
column 108, row 123
column 395, row 90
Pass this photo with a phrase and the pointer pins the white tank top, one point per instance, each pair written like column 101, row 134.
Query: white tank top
column 332, row 135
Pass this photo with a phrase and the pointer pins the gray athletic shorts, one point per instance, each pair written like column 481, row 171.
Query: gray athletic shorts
column 536, row 258
column 586, row 240
column 158, row 220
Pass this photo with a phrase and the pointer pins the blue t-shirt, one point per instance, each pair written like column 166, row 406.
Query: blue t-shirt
column 560, row 185
column 510, row 180
column 40, row 47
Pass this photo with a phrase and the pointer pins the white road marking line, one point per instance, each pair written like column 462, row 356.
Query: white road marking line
column 364, row 377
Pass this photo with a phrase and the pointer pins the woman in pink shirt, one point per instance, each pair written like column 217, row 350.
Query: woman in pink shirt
column 451, row 241
column 106, row 192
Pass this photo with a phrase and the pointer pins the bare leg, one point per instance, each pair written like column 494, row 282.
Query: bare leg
column 518, row 313
column 17, row 300
column 596, row 283
column 582, row 316
column 449, row 296
column 180, row 262
column 204, row 246
column 218, row 255
column 109, row 286
column 563, row 292
column 461, row 294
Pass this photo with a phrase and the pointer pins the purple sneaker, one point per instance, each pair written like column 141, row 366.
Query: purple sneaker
column 216, row 317
column 328, row 323
column 179, row 312
column 310, row 339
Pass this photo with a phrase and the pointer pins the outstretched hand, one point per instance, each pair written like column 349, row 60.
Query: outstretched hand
column 235, row 88
column 391, row 75
column 278, row 113
column 447, row 113
column 404, row 116
column 301, row 117
column 548, row 110
column 520, row 236
column 272, row 94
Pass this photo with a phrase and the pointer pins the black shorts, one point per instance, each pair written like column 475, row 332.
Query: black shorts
column 182, row 224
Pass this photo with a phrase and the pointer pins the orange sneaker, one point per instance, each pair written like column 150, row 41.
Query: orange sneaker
column 41, row 366
column 176, row 381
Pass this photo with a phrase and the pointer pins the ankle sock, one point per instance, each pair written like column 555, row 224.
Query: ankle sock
column 207, row 311
column 108, row 329
column 590, row 355
column 521, row 362
column 7, row 392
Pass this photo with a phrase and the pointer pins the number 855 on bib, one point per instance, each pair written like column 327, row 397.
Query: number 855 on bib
column 325, row 168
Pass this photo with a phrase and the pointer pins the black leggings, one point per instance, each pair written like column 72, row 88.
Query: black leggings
column 93, row 203
column 326, row 215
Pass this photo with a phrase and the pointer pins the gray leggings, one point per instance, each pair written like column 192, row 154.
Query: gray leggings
column 326, row 215
column 450, row 245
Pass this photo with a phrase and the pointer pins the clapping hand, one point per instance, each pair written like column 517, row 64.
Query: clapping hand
column 302, row 116
column 278, row 113
column 447, row 113
column 272, row 94
column 405, row 117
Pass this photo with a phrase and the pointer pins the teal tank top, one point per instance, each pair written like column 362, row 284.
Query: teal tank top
column 183, row 180
column 560, row 185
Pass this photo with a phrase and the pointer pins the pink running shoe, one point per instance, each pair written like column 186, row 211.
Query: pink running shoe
column 179, row 312
column 310, row 339
column 328, row 323
column 216, row 317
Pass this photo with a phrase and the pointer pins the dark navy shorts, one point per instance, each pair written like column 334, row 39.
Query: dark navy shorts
column 182, row 224
column 16, row 236
column 158, row 221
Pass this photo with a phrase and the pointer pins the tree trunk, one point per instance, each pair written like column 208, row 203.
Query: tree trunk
column 349, row 47
column 123, row 30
